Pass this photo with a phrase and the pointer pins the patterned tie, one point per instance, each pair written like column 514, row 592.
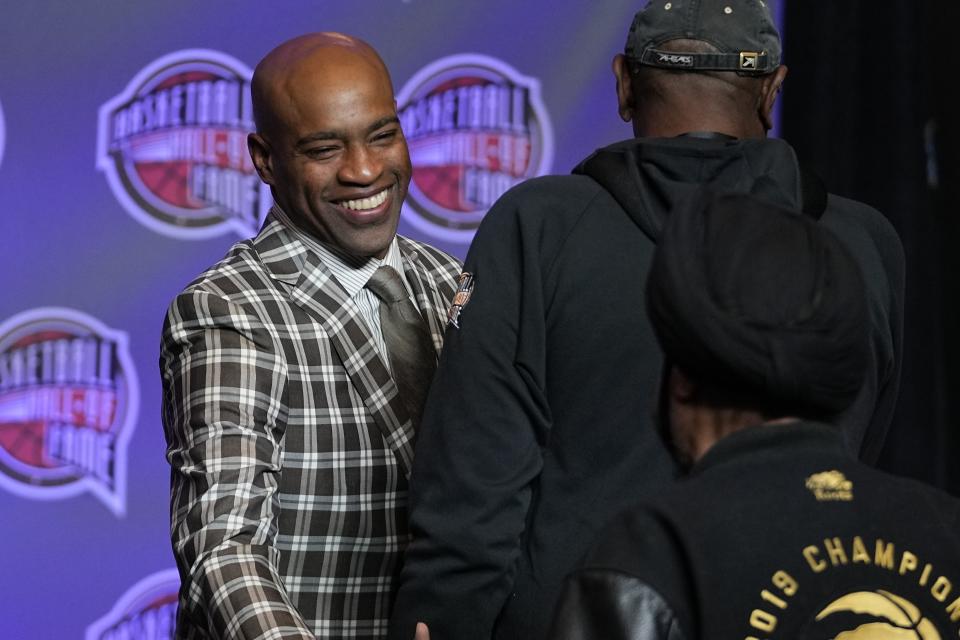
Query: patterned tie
column 412, row 356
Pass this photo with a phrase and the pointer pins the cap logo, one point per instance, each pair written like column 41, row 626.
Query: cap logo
column 749, row 60
column 675, row 60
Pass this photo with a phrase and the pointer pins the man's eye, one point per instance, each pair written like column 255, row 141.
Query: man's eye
column 320, row 153
column 385, row 136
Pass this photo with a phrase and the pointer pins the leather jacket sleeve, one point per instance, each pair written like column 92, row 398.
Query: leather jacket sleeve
column 599, row 603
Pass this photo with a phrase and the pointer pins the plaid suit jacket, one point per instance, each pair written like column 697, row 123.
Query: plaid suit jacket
column 290, row 450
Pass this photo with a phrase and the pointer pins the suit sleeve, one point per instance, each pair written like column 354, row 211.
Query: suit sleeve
column 478, row 452
column 223, row 415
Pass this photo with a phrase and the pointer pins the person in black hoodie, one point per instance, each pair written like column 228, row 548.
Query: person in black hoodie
column 777, row 531
column 538, row 427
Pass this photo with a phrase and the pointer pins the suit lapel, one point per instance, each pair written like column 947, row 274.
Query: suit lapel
column 425, row 292
column 319, row 293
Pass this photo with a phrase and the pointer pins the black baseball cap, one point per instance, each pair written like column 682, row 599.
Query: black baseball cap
column 742, row 31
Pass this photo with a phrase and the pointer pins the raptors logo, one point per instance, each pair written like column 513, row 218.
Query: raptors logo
column 878, row 614
column 147, row 611
column 174, row 147
column 475, row 128
column 868, row 587
column 68, row 401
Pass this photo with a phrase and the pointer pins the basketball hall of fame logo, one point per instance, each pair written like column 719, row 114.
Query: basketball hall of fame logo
column 475, row 127
column 173, row 145
column 147, row 611
column 68, row 404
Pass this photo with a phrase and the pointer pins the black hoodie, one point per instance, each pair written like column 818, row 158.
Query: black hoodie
column 540, row 422
column 648, row 177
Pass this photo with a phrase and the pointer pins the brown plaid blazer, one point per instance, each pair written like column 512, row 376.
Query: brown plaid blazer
column 290, row 450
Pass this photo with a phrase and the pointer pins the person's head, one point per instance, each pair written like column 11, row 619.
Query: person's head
column 760, row 312
column 328, row 141
column 700, row 65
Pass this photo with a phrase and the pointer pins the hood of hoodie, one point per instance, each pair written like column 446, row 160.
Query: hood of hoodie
column 649, row 176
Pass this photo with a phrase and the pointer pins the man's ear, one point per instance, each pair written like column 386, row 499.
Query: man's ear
column 770, row 88
column 262, row 160
column 621, row 71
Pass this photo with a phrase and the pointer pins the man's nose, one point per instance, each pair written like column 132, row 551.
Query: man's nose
column 360, row 165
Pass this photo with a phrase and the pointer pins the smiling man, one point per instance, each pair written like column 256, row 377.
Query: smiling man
column 294, row 370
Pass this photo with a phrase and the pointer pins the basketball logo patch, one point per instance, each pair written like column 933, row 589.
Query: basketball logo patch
column 475, row 127
column 173, row 145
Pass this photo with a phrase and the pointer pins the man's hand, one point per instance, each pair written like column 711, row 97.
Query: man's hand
column 423, row 633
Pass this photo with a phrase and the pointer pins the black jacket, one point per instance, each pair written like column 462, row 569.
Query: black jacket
column 778, row 533
column 539, row 426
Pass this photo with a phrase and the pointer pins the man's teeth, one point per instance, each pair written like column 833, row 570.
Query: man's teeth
column 364, row 204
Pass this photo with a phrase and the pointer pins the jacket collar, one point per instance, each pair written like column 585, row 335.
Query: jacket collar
column 313, row 287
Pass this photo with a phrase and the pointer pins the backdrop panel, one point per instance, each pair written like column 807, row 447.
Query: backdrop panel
column 123, row 174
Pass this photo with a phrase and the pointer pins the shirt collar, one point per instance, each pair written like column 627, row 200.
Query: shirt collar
column 351, row 272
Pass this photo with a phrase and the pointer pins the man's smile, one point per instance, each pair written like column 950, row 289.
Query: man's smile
column 366, row 204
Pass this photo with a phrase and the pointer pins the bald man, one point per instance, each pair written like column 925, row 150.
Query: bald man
column 289, row 408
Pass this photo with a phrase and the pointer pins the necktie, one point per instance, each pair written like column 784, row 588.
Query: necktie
column 412, row 356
